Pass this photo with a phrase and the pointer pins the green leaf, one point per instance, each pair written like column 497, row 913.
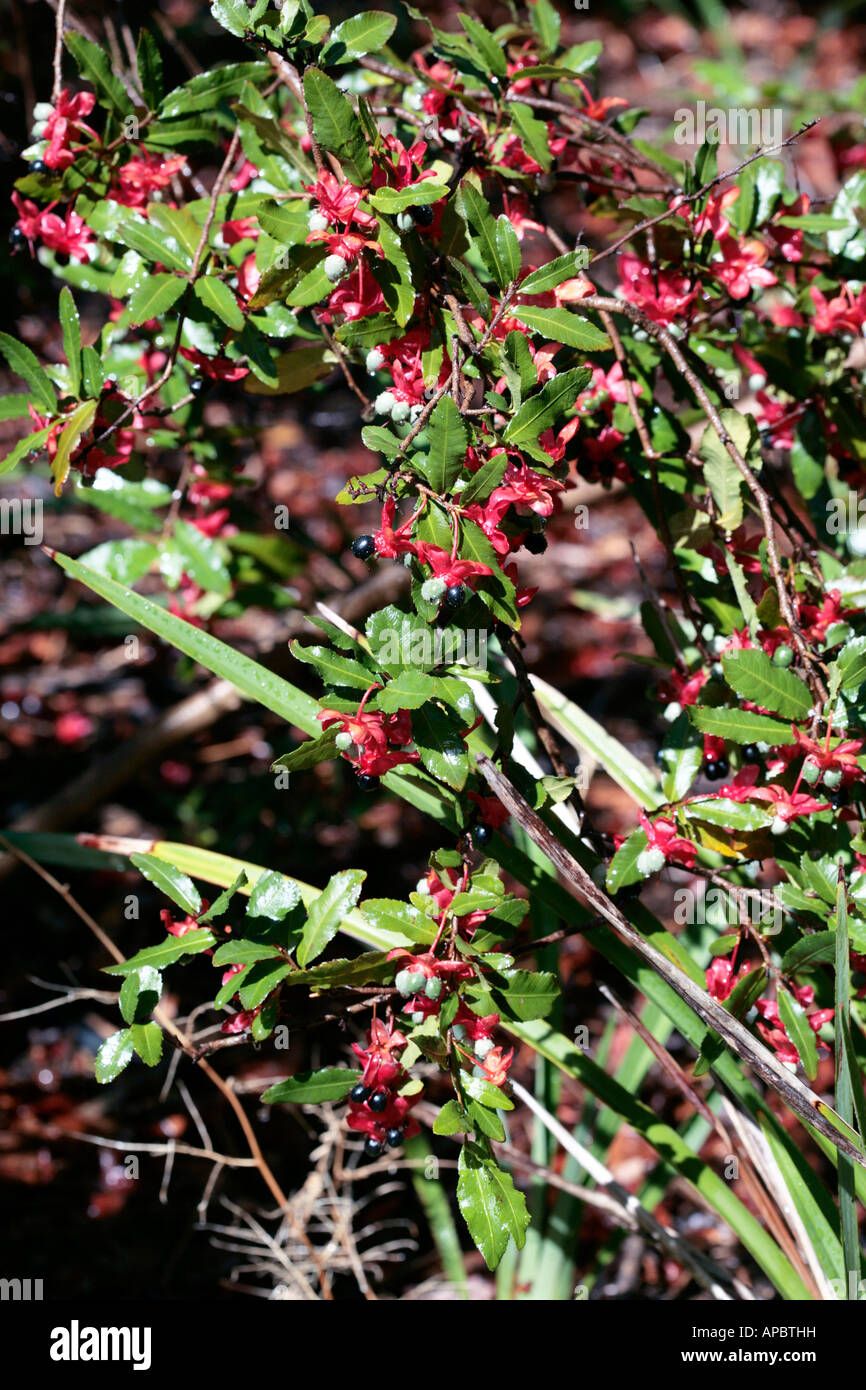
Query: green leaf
column 71, row 326
column 31, row 443
column 139, row 994
column 125, row 561
column 534, row 137
column 327, row 912
column 114, row 1054
column 844, row 1096
column 215, row 295
column 400, row 918
column 443, row 751
column 721, row 474
column 174, row 884
column 490, row 1204
column 809, row 951
column 259, row 981
column 793, row 1017
column 331, row 1083
column 733, row 815
column 740, row 726
column 146, row 1038
column 363, row 33
column 542, row 410
column 154, row 243
column 310, row 754
column 622, row 870
column 94, row 64
column 24, row 364
column 166, row 952
column 546, row 24
column 334, row 667
column 233, row 15
column 449, row 440
column 394, row 200
column 77, row 425
column 590, row 738
column 219, row 904
column 204, row 91
column 753, row 675
column 483, row 226
column 155, row 297
column 336, row 126
column 273, row 896
column 547, row 277
column 562, row 326
column 202, row 559
column 245, row 952
column 251, row 679
column 851, row 664
column 408, row 690
column 149, row 64
column 491, row 51
column 508, row 247
column 682, row 755
column 528, row 994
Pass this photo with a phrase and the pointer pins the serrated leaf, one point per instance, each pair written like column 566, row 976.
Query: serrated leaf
column 562, row 326
column 215, row 295
column 363, row 33
column 542, row 410
column 443, row 751
column 622, row 870
column 25, row 364
column 273, row 896
column 753, row 675
column 490, row 1204
column 327, row 912
column 740, row 726
column 793, row 1017
column 114, row 1054
column 817, row 949
column 169, row 881
column 449, row 440
column 140, row 994
column 146, row 1038
column 77, row 425
column 547, row 277
column 71, row 327
column 312, row 1087
column 337, row 127
column 166, row 952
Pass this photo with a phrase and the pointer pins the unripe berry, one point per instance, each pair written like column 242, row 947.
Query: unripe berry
column 423, row 887
column 405, row 221
column 783, row 656
column 400, row 412
column 343, row 741
column 335, row 268
column 384, row 403
column 375, row 360
column 832, row 777
column 42, row 110
column 650, row 860
column 482, row 1047
column 433, row 987
column 779, row 826
column 433, row 589
column 317, row 222
column 409, row 982
column 811, row 772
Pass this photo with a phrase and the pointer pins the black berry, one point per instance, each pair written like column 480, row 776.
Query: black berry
column 659, row 757
column 199, row 385
column 367, row 782
column 378, row 1101
column 423, row 216
column 363, row 547
column 838, row 797
column 536, row 542
column 359, row 1093
column 372, row 1147
column 481, row 834
column 751, row 754
column 455, row 596
column 16, row 237
column 394, row 1138
column 39, row 167
column 716, row 769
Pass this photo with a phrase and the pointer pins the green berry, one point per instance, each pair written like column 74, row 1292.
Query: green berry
column 783, row 656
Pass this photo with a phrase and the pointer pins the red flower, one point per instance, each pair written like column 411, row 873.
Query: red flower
column 663, row 296
column 842, row 314
column 139, row 178
column 495, row 1065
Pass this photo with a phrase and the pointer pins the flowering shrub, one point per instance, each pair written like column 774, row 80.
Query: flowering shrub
column 396, row 222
